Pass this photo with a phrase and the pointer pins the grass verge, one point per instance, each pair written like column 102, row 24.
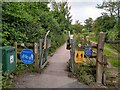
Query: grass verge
column 85, row 73
column 115, row 63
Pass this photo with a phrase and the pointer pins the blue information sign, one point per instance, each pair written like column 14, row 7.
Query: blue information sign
column 27, row 56
column 88, row 51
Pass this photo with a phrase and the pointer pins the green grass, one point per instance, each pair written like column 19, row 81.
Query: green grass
column 108, row 50
column 85, row 73
column 109, row 46
column 115, row 63
column 109, row 53
column 93, row 39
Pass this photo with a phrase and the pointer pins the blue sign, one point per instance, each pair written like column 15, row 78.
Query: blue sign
column 27, row 56
column 88, row 51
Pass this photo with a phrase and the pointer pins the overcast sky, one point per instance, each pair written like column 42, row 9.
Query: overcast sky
column 83, row 9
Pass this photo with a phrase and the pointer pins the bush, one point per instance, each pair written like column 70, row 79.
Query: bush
column 85, row 73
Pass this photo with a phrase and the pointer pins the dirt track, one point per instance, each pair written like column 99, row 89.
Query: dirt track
column 54, row 76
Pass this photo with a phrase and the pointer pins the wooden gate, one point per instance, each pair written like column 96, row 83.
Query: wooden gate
column 20, row 46
column 100, row 57
column 40, row 51
column 43, row 49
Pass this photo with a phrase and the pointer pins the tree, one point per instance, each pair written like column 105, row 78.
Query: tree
column 30, row 22
column 62, row 14
column 105, row 24
column 111, row 7
column 77, row 27
column 113, row 10
column 88, row 24
column 24, row 23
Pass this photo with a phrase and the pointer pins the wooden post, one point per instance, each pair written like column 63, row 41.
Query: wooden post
column 15, row 45
column 73, row 53
column 85, row 40
column 40, row 53
column 100, row 57
column 105, row 67
column 46, row 51
column 36, row 55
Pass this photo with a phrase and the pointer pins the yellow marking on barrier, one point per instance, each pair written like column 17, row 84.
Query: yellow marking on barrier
column 79, row 56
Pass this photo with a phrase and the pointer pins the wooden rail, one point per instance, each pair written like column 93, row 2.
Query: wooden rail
column 34, row 46
column 114, row 42
column 113, row 57
column 26, row 44
column 101, row 59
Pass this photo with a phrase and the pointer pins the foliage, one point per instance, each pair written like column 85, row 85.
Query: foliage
column 105, row 24
column 109, row 22
column 85, row 73
column 28, row 22
column 110, row 6
column 77, row 27
column 20, row 68
column 7, row 81
column 22, row 25
column 108, row 52
column 62, row 14
column 88, row 24
column 115, row 63
column 31, row 20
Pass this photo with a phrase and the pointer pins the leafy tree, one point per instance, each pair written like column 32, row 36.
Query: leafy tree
column 109, row 6
column 89, row 24
column 29, row 21
column 77, row 27
column 112, row 9
column 105, row 24
column 62, row 14
column 22, row 25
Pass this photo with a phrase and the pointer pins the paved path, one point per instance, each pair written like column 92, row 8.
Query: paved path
column 54, row 76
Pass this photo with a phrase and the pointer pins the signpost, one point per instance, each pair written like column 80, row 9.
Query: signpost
column 79, row 56
column 27, row 56
column 88, row 51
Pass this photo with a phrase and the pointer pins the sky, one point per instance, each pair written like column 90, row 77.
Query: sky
column 83, row 9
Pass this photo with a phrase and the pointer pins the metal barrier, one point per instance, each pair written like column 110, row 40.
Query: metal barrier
column 43, row 52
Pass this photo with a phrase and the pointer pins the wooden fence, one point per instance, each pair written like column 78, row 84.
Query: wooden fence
column 20, row 46
column 113, row 74
column 101, row 59
column 40, row 51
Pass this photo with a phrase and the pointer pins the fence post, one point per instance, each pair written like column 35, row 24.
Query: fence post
column 40, row 53
column 105, row 67
column 15, row 45
column 100, row 57
column 36, row 55
column 46, row 51
column 84, row 41
column 73, row 53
